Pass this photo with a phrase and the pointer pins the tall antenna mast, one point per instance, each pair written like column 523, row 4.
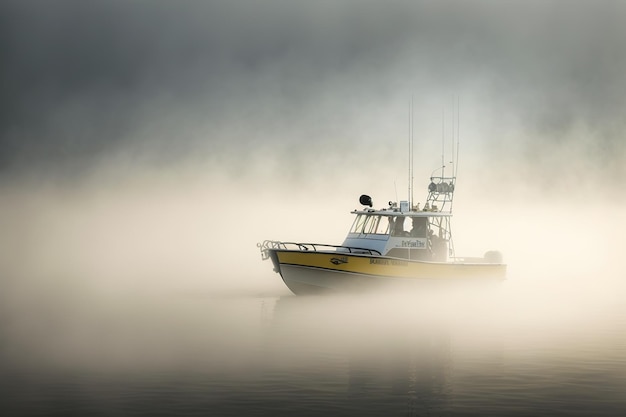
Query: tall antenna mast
column 410, row 196
column 454, row 116
column 458, row 133
column 443, row 121
column 455, row 158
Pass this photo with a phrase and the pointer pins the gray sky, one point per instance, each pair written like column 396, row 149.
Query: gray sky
column 235, row 81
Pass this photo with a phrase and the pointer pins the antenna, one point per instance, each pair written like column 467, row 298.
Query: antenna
column 395, row 188
column 455, row 158
column 410, row 133
column 443, row 120
column 451, row 162
column 458, row 133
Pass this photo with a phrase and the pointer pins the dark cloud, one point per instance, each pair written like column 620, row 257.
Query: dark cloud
column 82, row 80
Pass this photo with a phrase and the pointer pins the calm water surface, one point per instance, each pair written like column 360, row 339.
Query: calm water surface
column 450, row 353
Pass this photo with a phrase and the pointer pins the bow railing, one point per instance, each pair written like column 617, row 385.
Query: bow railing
column 314, row 247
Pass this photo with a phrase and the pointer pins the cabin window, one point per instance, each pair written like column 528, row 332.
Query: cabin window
column 371, row 225
column 419, row 227
column 357, row 226
column 375, row 225
column 399, row 226
column 409, row 226
column 383, row 225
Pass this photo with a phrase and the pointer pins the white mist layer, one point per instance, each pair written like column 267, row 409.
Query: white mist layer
column 155, row 270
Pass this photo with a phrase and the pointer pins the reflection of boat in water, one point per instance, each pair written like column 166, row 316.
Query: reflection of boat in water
column 372, row 355
column 398, row 244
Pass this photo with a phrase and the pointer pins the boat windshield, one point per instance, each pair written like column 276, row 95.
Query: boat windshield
column 370, row 224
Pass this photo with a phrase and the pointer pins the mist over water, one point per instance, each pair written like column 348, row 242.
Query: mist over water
column 149, row 295
column 146, row 148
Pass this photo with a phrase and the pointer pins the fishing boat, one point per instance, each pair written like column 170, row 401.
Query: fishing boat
column 398, row 245
column 395, row 246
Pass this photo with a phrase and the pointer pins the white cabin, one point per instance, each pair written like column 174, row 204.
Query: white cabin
column 414, row 235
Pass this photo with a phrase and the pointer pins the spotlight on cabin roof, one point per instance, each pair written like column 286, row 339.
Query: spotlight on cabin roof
column 365, row 200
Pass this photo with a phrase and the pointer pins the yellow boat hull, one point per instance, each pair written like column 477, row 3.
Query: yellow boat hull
column 307, row 272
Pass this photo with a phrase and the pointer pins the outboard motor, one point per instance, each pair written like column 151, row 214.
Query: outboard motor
column 493, row 257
